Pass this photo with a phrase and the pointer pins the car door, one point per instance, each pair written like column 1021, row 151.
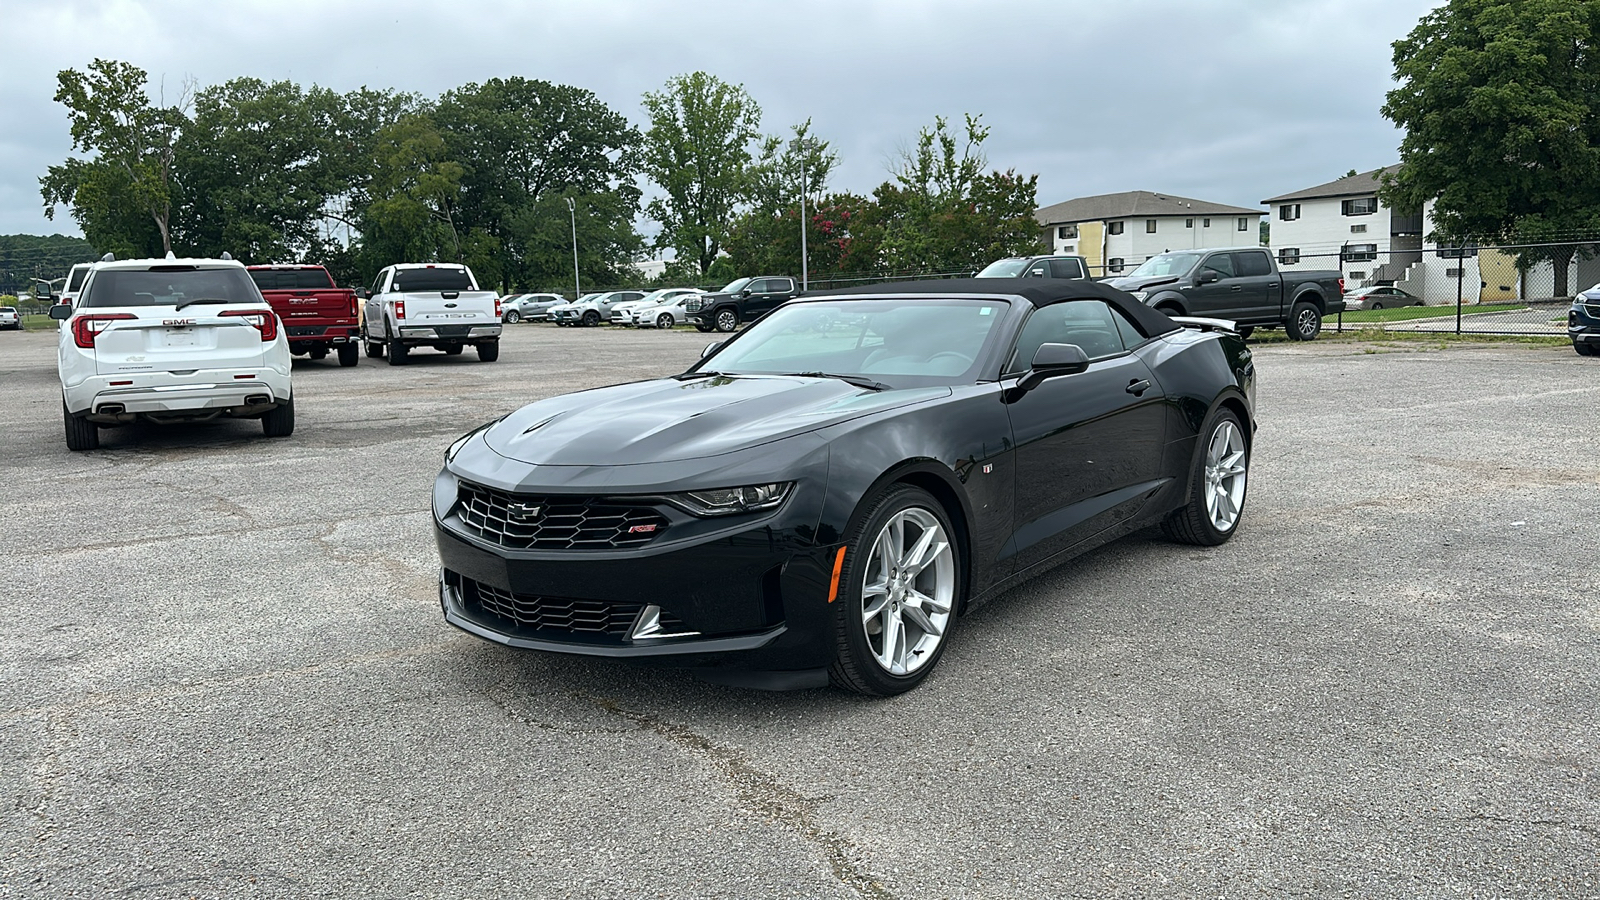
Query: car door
column 1215, row 298
column 1260, row 291
column 372, row 310
column 765, row 294
column 1089, row 445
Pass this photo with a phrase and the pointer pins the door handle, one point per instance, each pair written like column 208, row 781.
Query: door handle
column 1237, row 288
column 1138, row 386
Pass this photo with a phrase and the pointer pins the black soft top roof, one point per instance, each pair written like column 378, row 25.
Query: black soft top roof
column 1038, row 291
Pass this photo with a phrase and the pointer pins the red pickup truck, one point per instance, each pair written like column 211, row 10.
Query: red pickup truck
column 317, row 315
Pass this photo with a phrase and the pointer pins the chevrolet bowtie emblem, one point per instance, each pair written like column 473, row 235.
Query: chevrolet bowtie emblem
column 524, row 510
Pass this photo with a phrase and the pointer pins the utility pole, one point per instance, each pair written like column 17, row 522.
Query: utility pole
column 804, row 279
column 577, row 286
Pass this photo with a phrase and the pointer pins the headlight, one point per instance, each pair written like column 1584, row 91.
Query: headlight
column 1140, row 296
column 451, row 451
column 728, row 501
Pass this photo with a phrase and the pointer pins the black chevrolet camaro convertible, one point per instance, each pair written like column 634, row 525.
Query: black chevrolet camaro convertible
column 824, row 494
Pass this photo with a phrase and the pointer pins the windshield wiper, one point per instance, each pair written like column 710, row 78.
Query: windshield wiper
column 703, row 373
column 857, row 380
column 200, row 300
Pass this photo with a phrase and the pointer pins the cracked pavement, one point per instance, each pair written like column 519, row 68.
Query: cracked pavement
column 223, row 672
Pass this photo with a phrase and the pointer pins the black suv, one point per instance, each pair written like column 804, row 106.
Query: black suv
column 745, row 300
column 1073, row 267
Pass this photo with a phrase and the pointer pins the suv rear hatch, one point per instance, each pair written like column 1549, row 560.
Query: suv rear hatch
column 178, row 318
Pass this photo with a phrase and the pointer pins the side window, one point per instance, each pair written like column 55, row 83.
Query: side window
column 1252, row 262
column 1066, row 268
column 1088, row 323
column 377, row 283
column 1131, row 337
column 1221, row 263
column 783, row 285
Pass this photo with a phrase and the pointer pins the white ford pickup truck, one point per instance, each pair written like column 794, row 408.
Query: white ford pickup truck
column 434, row 305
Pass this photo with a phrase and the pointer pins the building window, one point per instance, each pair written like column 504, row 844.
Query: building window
column 1288, row 212
column 1359, row 252
column 1358, row 229
column 1205, row 223
column 1115, row 264
column 1149, row 226
column 1452, row 273
column 1069, row 248
column 1244, row 224
column 1188, row 223
column 1288, row 256
column 1362, row 206
column 1067, row 232
column 1357, row 276
column 1116, row 228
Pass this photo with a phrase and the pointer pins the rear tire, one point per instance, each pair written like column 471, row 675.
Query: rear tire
column 279, row 422
column 489, row 352
column 1218, row 477
column 892, row 589
column 349, row 355
column 398, row 353
column 82, row 434
column 1305, row 322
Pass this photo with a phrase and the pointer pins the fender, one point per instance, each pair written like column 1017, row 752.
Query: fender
column 1169, row 298
column 1310, row 293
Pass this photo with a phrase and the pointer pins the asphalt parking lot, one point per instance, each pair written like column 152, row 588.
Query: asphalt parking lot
column 223, row 672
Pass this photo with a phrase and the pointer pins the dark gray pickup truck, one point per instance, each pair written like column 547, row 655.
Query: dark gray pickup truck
column 1245, row 286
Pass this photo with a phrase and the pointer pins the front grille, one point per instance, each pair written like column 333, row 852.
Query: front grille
column 558, row 614
column 527, row 522
column 1593, row 309
column 691, row 305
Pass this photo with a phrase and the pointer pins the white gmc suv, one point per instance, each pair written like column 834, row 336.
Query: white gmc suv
column 171, row 340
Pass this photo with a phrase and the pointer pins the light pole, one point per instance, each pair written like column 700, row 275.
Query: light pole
column 577, row 286
column 800, row 152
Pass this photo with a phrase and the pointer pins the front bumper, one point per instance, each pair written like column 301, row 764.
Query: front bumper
column 749, row 594
column 1583, row 323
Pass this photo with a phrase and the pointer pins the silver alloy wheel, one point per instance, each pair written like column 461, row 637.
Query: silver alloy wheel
column 1309, row 321
column 908, row 591
column 664, row 320
column 727, row 320
column 1226, row 474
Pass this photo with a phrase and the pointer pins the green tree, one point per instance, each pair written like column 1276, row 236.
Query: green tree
column 124, row 190
column 697, row 150
column 524, row 147
column 942, row 213
column 1500, row 102
column 413, row 211
column 766, row 237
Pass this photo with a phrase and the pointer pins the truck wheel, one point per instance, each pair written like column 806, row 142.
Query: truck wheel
column 398, row 353
column 591, row 319
column 489, row 351
column 1305, row 323
column 82, row 434
column 349, row 354
column 279, row 422
column 727, row 320
column 374, row 351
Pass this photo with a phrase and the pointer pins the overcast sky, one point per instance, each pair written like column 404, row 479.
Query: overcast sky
column 1223, row 100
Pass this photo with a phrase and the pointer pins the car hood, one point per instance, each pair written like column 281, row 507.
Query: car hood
column 1138, row 284
column 669, row 420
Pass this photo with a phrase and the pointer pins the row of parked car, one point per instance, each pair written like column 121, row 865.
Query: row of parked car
column 739, row 302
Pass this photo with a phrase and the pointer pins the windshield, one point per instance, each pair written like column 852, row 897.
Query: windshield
column 737, row 285
column 168, row 286
column 904, row 343
column 1165, row 264
column 428, row 280
column 1004, row 268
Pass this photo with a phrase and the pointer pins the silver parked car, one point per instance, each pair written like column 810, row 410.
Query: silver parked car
column 666, row 310
column 1379, row 298
column 529, row 307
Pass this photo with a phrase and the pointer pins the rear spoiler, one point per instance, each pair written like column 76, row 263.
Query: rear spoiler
column 1203, row 324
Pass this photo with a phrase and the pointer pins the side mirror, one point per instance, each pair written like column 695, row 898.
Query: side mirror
column 1208, row 276
column 710, row 349
column 745, row 292
column 61, row 312
column 1051, row 360
column 363, row 293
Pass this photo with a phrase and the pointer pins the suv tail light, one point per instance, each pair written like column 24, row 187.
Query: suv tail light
column 265, row 321
column 86, row 328
column 399, row 309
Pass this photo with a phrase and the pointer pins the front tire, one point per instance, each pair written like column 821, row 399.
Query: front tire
column 1305, row 322
column 279, row 422
column 349, row 355
column 591, row 319
column 82, row 434
column 1375, row 305
column 664, row 321
column 900, row 588
column 1218, row 478
column 1246, row 331
column 727, row 320
column 398, row 354
column 489, row 352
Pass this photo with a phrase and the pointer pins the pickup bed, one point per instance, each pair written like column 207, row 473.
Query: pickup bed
column 317, row 315
column 1243, row 286
column 434, row 305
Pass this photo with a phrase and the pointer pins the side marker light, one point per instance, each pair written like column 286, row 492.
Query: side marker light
column 838, row 564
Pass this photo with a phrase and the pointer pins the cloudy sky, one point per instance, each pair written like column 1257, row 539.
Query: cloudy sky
column 1223, row 100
